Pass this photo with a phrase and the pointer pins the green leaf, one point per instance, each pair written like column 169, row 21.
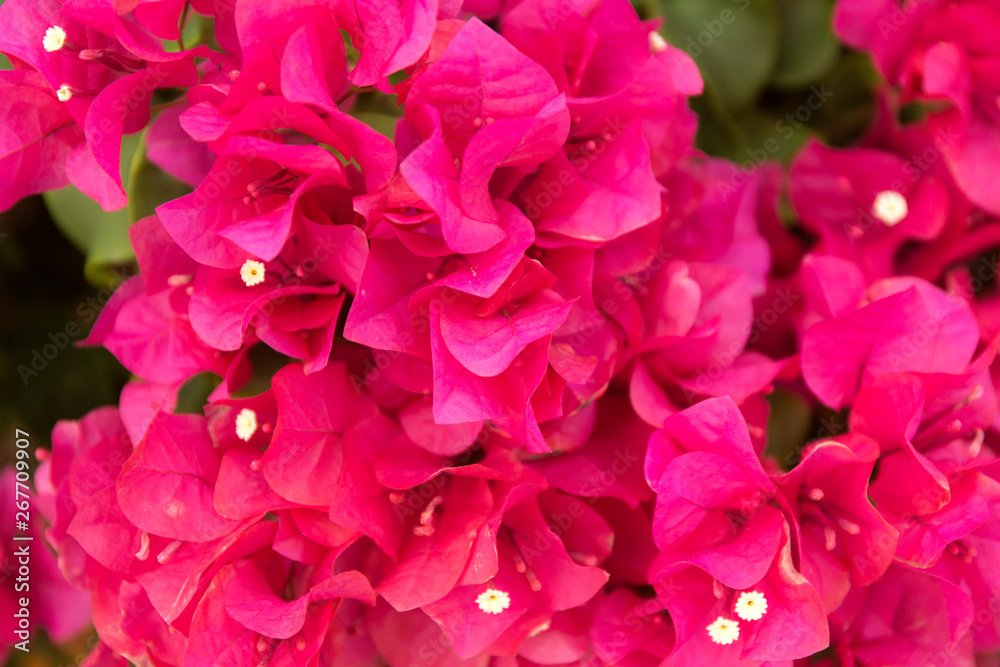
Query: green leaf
column 383, row 123
column 788, row 427
column 808, row 48
column 193, row 394
column 197, row 30
column 734, row 43
column 102, row 236
column 149, row 186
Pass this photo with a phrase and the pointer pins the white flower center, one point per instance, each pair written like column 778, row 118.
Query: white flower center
column 65, row 93
column 890, row 207
column 656, row 42
column 493, row 601
column 246, row 424
column 54, row 39
column 724, row 630
column 751, row 606
column 252, row 272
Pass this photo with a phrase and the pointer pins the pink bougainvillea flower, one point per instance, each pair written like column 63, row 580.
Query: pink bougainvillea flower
column 463, row 394
column 909, row 325
column 441, row 531
column 69, row 483
column 533, row 576
column 169, row 147
column 714, row 503
column 142, row 330
column 778, row 617
column 713, row 213
column 103, row 86
column 626, row 623
column 475, row 115
column 832, row 287
column 610, row 463
column 296, row 320
column 390, row 34
column 315, row 412
column 230, row 218
column 165, row 487
column 843, row 539
column 485, row 321
column 38, row 151
column 242, row 616
column 141, row 401
column 381, row 315
column 695, row 341
column 907, row 483
column 610, row 184
column 295, row 30
column 251, row 600
column 907, row 617
column 934, row 52
column 57, row 606
column 927, row 485
column 865, row 205
column 614, row 70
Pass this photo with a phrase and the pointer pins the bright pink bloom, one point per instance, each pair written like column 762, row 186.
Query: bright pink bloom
column 475, row 115
column 938, row 51
column 864, row 204
column 909, row 325
column 714, row 502
column 793, row 624
column 104, row 87
column 909, row 617
column 842, row 539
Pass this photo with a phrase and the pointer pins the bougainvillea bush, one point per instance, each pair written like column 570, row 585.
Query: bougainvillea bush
column 449, row 347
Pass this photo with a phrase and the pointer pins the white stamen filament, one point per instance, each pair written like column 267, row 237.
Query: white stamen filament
column 830, row 536
column 849, row 527
column 656, row 42
column 143, row 552
column 178, row 279
column 169, row 551
column 540, row 629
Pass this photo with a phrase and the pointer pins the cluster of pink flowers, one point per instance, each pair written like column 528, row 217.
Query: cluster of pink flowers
column 529, row 343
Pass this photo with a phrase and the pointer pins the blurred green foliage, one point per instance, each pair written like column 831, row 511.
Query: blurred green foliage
column 774, row 74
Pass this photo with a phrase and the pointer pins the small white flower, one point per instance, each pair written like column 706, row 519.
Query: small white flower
column 65, row 93
column 246, row 424
column 493, row 601
column 252, row 272
column 751, row 606
column 55, row 38
column 724, row 630
column 656, row 42
column 890, row 207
